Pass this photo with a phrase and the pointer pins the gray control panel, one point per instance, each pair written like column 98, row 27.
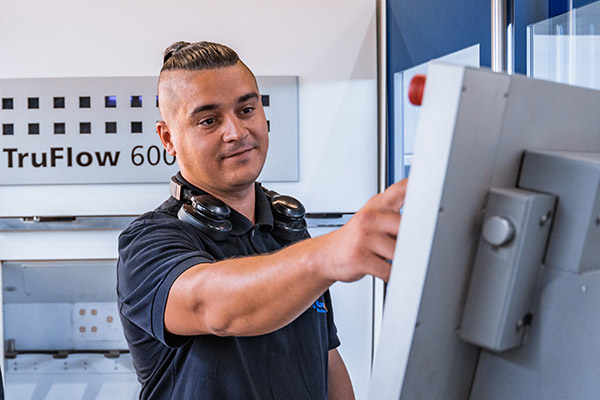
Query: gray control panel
column 509, row 255
column 573, row 177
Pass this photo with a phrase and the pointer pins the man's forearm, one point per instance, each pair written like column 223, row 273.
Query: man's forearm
column 246, row 296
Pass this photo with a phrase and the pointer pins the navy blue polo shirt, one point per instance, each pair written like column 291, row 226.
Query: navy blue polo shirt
column 290, row 363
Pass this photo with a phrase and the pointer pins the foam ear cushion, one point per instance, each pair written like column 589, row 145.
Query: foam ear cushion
column 217, row 230
column 210, row 207
column 290, row 231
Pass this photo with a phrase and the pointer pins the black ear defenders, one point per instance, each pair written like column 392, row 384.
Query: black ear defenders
column 288, row 216
column 210, row 215
column 205, row 212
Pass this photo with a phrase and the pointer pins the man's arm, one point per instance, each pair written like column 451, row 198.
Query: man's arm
column 340, row 387
column 260, row 294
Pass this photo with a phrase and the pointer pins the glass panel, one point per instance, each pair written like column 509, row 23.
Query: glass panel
column 566, row 48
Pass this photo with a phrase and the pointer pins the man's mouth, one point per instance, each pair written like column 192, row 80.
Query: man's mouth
column 238, row 152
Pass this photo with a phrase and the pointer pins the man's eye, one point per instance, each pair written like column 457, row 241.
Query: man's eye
column 208, row 121
column 247, row 110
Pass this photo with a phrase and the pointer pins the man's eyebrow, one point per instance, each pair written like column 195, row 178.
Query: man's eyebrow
column 209, row 107
column 206, row 107
column 247, row 97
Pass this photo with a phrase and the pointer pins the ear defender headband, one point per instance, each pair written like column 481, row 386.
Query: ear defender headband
column 211, row 216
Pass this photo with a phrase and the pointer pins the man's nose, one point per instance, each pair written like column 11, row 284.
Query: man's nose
column 234, row 129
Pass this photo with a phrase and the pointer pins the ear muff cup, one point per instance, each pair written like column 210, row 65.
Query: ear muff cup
column 209, row 215
column 288, row 217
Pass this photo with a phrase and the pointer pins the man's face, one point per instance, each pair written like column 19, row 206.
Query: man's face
column 215, row 124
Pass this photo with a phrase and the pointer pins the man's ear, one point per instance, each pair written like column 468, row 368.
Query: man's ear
column 165, row 137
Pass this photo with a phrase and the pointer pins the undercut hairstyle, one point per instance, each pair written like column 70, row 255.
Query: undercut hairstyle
column 198, row 56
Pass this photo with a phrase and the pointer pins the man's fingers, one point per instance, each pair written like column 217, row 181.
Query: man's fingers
column 389, row 223
column 380, row 269
column 393, row 196
column 370, row 236
column 383, row 246
column 374, row 221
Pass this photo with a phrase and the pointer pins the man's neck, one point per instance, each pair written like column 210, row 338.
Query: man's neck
column 243, row 202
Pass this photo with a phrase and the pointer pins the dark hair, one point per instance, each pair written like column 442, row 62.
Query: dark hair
column 198, row 56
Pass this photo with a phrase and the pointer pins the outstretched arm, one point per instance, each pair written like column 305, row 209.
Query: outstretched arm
column 260, row 294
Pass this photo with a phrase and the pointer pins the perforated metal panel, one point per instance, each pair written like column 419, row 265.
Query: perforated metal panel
column 102, row 130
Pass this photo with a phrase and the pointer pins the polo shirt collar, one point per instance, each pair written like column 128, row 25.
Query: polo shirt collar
column 241, row 224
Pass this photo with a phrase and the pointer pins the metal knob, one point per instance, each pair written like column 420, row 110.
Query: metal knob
column 498, row 231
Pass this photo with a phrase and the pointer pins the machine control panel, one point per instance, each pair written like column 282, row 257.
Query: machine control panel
column 510, row 252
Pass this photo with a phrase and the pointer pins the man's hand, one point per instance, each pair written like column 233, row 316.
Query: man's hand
column 367, row 242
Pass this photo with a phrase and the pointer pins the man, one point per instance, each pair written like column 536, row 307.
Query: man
column 245, row 314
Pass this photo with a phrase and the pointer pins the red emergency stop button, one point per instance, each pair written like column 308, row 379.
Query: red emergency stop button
column 416, row 89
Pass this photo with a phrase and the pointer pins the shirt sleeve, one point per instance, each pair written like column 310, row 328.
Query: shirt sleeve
column 152, row 254
column 334, row 340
